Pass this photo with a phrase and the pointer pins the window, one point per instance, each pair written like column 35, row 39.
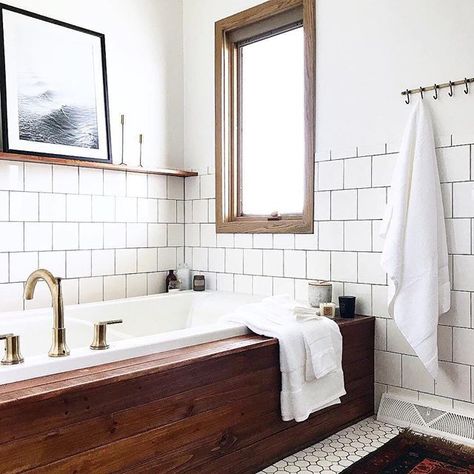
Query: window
column 265, row 118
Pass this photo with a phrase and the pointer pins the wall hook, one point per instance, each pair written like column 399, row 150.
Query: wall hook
column 466, row 86
column 436, row 91
column 450, row 93
column 407, row 101
column 421, row 92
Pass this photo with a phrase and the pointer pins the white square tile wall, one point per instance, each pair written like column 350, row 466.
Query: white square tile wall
column 100, row 230
column 115, row 234
column 352, row 188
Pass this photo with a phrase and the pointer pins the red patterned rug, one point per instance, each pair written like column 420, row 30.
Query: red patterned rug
column 410, row 453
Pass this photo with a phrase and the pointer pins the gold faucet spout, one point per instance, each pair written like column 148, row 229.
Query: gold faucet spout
column 59, row 347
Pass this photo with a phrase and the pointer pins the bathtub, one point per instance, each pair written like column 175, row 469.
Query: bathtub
column 151, row 324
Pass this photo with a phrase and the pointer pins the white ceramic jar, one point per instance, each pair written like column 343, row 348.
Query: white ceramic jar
column 319, row 292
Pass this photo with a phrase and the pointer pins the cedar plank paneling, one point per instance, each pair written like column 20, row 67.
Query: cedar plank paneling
column 209, row 408
column 190, row 433
column 60, row 411
column 259, row 455
column 359, row 393
column 98, row 375
column 42, row 449
column 290, row 436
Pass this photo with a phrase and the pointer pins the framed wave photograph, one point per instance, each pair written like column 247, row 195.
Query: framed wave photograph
column 53, row 88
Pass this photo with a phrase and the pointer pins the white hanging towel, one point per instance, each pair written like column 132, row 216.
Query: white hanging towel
column 415, row 253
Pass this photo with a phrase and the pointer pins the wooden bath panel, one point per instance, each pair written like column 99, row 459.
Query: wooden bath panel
column 211, row 408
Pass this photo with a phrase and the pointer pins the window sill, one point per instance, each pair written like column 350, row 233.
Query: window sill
column 264, row 226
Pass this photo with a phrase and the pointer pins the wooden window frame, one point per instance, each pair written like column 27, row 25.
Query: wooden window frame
column 228, row 216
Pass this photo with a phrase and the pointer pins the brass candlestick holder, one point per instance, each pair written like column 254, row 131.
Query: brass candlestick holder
column 140, row 141
column 122, row 122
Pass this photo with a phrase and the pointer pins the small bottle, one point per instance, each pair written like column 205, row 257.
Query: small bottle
column 199, row 283
column 169, row 278
column 184, row 274
column 174, row 286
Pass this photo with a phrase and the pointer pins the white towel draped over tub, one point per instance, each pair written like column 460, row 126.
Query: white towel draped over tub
column 415, row 253
column 310, row 354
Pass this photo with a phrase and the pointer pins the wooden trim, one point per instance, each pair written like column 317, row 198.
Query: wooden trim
column 129, row 369
column 228, row 218
column 94, row 164
column 196, row 409
column 309, row 25
column 268, row 26
column 257, row 13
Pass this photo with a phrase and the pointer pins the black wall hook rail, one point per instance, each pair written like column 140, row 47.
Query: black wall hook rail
column 463, row 82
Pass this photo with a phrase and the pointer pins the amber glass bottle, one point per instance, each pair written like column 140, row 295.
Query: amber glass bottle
column 170, row 277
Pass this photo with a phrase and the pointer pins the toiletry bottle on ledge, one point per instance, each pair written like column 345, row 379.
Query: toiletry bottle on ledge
column 171, row 277
column 174, row 285
column 184, row 274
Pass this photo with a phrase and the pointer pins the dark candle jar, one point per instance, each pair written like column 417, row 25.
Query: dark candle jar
column 169, row 278
column 347, row 306
column 199, row 283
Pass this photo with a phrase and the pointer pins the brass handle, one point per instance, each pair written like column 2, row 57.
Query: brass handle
column 12, row 350
column 112, row 321
column 99, row 343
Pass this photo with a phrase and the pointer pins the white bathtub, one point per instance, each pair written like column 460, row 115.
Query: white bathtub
column 150, row 324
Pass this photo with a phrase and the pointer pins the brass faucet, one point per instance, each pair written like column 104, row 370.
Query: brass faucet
column 58, row 347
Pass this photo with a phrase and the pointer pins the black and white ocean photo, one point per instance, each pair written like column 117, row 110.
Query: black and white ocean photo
column 49, row 113
column 55, row 96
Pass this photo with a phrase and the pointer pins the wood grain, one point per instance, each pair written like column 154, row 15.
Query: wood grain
column 207, row 408
column 94, row 164
column 257, row 13
column 229, row 218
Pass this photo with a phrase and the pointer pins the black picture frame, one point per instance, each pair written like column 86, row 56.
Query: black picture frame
column 3, row 88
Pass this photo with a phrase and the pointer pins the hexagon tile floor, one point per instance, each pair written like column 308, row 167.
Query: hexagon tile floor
column 338, row 451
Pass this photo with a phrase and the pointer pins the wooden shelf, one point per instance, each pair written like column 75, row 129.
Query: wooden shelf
column 94, row 164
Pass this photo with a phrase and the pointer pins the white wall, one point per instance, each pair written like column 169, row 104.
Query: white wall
column 199, row 17
column 109, row 234
column 144, row 63
column 367, row 53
